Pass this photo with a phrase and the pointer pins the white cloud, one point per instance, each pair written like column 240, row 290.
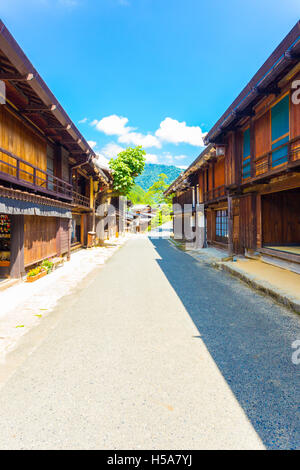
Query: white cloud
column 82, row 121
column 170, row 130
column 112, row 125
column 151, row 158
column 92, row 143
column 111, row 150
column 182, row 167
column 136, row 138
column 176, row 132
column 117, row 125
column 165, row 158
column 180, row 157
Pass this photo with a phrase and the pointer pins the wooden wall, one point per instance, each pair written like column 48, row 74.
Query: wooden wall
column 63, row 236
column 236, row 226
column 201, row 188
column 17, row 138
column 210, row 178
column 210, row 226
column 220, row 172
column 281, row 217
column 294, row 115
column 262, row 134
column 230, row 169
column 247, row 222
column 295, row 127
column 39, row 238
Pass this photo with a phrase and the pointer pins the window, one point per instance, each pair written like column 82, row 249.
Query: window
column 280, row 131
column 222, row 225
column 246, row 166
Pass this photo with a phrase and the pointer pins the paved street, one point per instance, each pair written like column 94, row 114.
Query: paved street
column 155, row 351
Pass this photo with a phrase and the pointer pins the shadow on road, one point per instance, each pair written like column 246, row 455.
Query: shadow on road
column 249, row 337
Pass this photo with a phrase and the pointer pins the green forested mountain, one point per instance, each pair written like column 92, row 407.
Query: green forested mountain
column 152, row 172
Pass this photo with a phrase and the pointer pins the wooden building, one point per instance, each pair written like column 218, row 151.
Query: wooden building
column 248, row 178
column 47, row 176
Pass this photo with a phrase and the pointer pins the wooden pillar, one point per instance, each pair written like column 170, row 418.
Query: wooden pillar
column 238, row 157
column 58, row 161
column 69, row 239
column 58, row 236
column 82, row 229
column 213, row 216
column 17, row 247
column 252, row 147
column 230, row 226
column 254, row 221
column 259, row 234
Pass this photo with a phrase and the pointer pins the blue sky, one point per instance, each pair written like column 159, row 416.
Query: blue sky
column 152, row 72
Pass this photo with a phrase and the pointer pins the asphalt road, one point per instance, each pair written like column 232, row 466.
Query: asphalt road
column 156, row 351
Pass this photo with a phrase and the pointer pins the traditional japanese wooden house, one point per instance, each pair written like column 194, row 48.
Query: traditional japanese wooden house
column 259, row 135
column 250, row 182
column 200, row 192
column 46, row 168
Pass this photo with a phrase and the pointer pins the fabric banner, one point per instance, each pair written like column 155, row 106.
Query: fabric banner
column 16, row 207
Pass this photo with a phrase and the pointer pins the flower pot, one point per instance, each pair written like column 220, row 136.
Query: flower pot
column 4, row 264
column 35, row 278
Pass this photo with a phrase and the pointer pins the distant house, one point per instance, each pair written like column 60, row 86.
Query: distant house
column 143, row 214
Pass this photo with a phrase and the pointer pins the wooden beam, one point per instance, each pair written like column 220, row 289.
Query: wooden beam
column 291, row 56
column 39, row 108
column 78, row 152
column 54, row 136
column 60, row 128
column 87, row 152
column 245, row 113
column 85, row 162
column 70, row 142
column 16, row 78
column 273, row 90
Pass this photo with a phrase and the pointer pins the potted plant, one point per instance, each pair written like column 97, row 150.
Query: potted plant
column 36, row 273
column 48, row 265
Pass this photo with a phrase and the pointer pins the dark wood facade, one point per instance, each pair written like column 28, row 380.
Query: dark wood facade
column 47, row 174
column 250, row 171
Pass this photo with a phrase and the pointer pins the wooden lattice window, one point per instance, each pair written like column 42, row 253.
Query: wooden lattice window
column 280, row 131
column 246, row 165
column 222, row 225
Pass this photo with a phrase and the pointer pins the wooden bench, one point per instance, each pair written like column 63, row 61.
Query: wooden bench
column 57, row 262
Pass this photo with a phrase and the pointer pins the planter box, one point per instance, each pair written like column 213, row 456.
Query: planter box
column 35, row 278
column 4, row 264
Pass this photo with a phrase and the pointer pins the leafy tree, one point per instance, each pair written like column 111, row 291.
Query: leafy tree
column 157, row 190
column 126, row 167
column 162, row 216
column 137, row 195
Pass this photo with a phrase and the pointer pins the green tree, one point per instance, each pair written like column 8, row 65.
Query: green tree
column 138, row 195
column 162, row 216
column 157, row 190
column 126, row 167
